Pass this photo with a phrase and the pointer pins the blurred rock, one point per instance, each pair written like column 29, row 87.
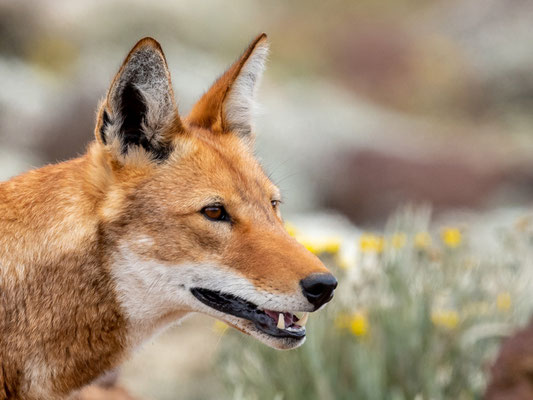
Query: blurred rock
column 18, row 25
column 368, row 185
column 66, row 135
column 512, row 373
column 390, row 62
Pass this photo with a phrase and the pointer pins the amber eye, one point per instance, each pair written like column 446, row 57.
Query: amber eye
column 215, row 213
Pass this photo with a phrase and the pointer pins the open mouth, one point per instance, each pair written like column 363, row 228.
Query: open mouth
column 273, row 323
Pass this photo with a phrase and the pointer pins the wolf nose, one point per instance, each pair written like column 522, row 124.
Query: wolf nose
column 318, row 288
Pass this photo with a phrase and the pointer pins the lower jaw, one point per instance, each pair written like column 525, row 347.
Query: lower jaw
column 276, row 342
column 282, row 343
column 275, row 329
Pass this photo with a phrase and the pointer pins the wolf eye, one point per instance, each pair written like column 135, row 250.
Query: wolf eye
column 215, row 213
column 275, row 203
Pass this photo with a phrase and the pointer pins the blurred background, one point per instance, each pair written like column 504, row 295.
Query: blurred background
column 367, row 106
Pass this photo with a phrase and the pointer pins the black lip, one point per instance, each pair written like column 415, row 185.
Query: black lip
column 233, row 305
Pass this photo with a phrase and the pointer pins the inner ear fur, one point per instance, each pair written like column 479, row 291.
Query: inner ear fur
column 139, row 112
column 229, row 104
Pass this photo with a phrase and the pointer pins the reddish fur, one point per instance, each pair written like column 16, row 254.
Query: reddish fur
column 61, row 225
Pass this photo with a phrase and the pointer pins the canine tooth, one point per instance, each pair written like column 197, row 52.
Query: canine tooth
column 281, row 321
column 302, row 321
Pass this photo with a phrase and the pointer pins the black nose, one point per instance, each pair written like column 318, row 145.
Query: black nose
column 318, row 288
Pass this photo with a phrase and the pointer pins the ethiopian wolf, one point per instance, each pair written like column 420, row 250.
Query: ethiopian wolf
column 163, row 216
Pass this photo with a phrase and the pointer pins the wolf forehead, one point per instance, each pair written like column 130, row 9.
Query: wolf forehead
column 219, row 170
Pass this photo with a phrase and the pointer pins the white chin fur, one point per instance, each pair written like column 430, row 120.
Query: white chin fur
column 150, row 291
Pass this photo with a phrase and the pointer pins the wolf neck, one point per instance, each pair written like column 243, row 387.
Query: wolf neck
column 55, row 285
column 45, row 214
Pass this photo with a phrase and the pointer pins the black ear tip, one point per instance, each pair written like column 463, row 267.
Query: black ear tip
column 147, row 42
column 261, row 38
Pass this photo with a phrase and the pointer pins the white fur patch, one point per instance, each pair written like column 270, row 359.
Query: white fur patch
column 239, row 105
column 37, row 379
column 154, row 294
column 11, row 275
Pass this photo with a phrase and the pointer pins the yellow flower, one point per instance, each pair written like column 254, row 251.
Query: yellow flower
column 356, row 323
column 332, row 245
column 398, row 240
column 310, row 245
column 220, row 327
column 359, row 324
column 291, row 229
column 451, row 237
column 503, row 301
column 422, row 240
column 448, row 319
column 318, row 246
column 371, row 243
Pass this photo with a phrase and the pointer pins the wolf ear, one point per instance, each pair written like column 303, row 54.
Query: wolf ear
column 139, row 113
column 228, row 105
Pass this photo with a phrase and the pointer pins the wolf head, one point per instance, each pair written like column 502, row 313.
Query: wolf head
column 189, row 219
